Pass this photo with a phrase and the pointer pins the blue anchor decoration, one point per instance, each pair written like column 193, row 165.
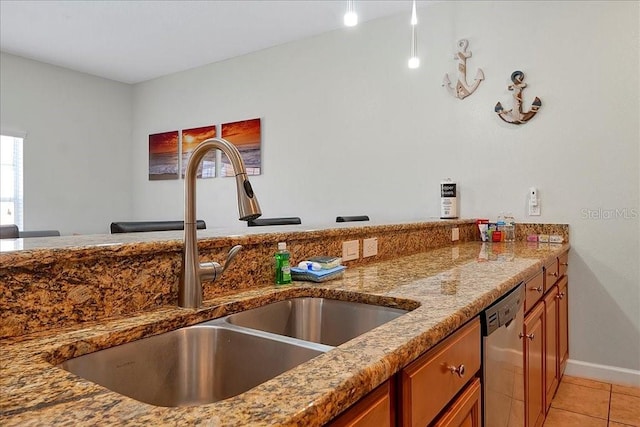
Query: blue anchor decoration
column 516, row 116
column 462, row 89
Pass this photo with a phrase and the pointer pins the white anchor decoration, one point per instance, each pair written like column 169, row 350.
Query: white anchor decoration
column 462, row 89
column 516, row 116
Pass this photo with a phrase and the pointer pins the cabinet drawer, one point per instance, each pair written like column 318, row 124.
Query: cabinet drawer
column 432, row 380
column 375, row 409
column 534, row 288
column 551, row 274
column 563, row 263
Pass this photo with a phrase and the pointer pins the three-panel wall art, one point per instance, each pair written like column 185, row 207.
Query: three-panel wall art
column 169, row 152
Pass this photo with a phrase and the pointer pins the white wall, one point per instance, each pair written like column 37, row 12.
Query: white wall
column 77, row 156
column 348, row 129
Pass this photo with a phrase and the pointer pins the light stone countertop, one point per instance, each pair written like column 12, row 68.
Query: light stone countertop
column 451, row 285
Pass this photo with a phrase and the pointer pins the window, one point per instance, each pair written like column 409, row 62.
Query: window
column 11, row 197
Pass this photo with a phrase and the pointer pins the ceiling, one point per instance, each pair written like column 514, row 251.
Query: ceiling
column 137, row 40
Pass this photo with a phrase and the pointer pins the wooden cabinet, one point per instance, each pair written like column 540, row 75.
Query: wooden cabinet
column 465, row 411
column 429, row 383
column 551, row 274
column 427, row 388
column 563, row 263
column 546, row 338
column 534, row 289
column 551, row 337
column 534, row 361
column 563, row 324
column 375, row 409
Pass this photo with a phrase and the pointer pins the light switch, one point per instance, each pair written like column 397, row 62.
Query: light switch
column 350, row 250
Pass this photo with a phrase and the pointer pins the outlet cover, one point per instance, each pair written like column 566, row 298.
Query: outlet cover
column 370, row 247
column 350, row 250
column 455, row 234
column 534, row 210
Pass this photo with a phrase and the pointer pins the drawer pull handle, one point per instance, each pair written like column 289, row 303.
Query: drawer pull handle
column 530, row 336
column 566, row 264
column 553, row 274
column 538, row 289
column 457, row 370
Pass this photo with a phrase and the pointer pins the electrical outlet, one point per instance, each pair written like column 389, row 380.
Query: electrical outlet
column 534, row 210
column 455, row 234
column 350, row 250
column 369, row 247
column 534, row 202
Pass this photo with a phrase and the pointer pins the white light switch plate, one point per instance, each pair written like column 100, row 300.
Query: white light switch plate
column 350, row 250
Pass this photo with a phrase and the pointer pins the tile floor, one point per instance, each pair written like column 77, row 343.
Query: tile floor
column 585, row 403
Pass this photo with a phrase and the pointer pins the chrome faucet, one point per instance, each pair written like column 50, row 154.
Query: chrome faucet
column 193, row 271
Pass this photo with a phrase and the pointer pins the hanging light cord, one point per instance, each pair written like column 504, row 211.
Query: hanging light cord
column 414, row 61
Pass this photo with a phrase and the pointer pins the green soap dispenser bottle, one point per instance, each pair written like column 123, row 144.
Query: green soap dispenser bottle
column 283, row 268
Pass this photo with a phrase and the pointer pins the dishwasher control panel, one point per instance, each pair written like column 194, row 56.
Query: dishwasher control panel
column 503, row 311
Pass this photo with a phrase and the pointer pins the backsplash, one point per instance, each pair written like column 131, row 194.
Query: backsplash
column 523, row 230
column 57, row 287
column 45, row 288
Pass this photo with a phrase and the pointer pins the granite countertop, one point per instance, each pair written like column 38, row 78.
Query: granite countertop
column 449, row 286
column 239, row 230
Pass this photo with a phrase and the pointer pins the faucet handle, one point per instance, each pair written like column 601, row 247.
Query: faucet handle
column 210, row 271
column 230, row 256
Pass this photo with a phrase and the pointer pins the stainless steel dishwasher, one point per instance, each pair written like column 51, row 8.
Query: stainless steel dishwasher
column 502, row 361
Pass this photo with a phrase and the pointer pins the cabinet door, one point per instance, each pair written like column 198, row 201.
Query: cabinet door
column 563, row 324
column 465, row 411
column 375, row 409
column 533, row 341
column 552, row 368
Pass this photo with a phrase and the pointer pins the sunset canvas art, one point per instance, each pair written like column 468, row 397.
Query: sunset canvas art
column 190, row 140
column 246, row 136
column 163, row 156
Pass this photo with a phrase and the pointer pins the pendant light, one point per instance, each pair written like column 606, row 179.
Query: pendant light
column 414, row 61
column 350, row 17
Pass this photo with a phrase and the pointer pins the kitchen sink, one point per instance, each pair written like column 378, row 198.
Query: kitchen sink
column 225, row 357
column 194, row 365
column 320, row 320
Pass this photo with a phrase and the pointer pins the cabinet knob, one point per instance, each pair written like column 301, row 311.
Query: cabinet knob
column 530, row 336
column 561, row 295
column 566, row 264
column 457, row 370
column 553, row 274
column 538, row 289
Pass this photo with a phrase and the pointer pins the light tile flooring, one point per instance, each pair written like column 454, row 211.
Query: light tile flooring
column 585, row 403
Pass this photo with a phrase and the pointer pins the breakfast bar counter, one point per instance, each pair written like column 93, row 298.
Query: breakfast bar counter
column 442, row 288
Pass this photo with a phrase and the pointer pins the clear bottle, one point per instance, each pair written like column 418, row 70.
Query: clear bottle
column 283, row 267
column 500, row 226
column 509, row 228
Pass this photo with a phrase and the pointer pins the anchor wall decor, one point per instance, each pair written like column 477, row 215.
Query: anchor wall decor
column 516, row 116
column 463, row 89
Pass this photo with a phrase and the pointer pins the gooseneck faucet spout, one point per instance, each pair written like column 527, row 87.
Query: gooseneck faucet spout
column 193, row 272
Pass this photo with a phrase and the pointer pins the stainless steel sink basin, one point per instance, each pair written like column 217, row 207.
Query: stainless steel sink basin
column 225, row 357
column 319, row 320
column 191, row 366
